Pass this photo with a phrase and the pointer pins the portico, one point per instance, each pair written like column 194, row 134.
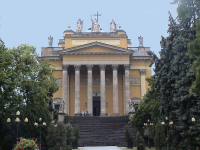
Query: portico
column 99, row 71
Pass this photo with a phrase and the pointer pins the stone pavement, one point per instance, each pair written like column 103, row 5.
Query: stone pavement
column 101, row 148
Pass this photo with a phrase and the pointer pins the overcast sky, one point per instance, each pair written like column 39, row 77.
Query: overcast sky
column 32, row 21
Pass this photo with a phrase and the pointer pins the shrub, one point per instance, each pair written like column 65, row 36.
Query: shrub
column 26, row 144
column 140, row 142
column 128, row 134
column 76, row 134
column 70, row 135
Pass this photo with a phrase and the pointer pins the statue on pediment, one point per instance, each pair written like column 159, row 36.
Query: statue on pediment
column 79, row 25
column 112, row 26
column 140, row 41
column 50, row 39
column 95, row 26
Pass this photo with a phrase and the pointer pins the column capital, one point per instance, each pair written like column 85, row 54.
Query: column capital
column 102, row 67
column 89, row 67
column 77, row 67
column 65, row 67
column 127, row 66
column 142, row 71
column 115, row 66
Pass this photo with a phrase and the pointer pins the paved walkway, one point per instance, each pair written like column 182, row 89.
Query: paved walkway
column 101, row 148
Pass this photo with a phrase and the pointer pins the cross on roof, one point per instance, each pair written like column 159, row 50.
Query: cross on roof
column 97, row 15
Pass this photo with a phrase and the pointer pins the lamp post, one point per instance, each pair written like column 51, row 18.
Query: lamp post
column 40, row 125
column 167, row 124
column 17, row 120
column 148, row 124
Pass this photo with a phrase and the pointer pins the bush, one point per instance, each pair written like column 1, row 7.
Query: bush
column 70, row 135
column 76, row 134
column 68, row 147
column 56, row 137
column 26, row 144
column 159, row 139
column 140, row 142
column 128, row 134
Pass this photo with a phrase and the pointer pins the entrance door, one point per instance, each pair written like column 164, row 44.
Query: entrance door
column 96, row 106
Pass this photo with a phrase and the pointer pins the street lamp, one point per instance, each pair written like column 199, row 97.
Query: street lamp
column 40, row 125
column 167, row 124
column 148, row 124
column 17, row 120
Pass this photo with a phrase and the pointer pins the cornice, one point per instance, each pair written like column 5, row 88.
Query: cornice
column 141, row 57
column 52, row 58
column 96, row 53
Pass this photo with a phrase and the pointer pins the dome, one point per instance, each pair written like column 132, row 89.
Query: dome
column 69, row 30
column 120, row 29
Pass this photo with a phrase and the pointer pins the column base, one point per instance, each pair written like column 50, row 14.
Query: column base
column 61, row 117
column 77, row 114
column 103, row 115
column 115, row 114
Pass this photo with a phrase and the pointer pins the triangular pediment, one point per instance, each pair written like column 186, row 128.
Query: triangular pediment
column 95, row 47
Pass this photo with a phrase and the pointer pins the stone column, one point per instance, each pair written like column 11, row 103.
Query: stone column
column 65, row 89
column 115, row 90
column 77, row 89
column 143, row 82
column 89, row 92
column 127, row 88
column 103, row 90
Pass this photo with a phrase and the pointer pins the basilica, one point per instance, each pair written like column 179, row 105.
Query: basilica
column 98, row 72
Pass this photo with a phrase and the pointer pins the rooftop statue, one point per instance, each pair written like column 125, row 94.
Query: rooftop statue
column 112, row 26
column 140, row 41
column 79, row 25
column 95, row 26
column 50, row 39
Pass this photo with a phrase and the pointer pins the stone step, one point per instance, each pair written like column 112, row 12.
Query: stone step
column 100, row 131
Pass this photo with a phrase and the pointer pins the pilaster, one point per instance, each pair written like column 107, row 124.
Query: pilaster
column 65, row 89
column 89, row 92
column 143, row 82
column 115, row 90
column 77, row 89
column 127, row 88
column 103, row 90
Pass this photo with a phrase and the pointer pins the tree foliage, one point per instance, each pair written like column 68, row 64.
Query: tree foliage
column 194, row 51
column 26, row 85
column 128, row 134
column 173, row 76
column 56, row 137
column 160, row 138
column 70, row 134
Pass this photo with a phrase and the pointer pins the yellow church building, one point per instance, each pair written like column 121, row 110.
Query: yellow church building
column 98, row 72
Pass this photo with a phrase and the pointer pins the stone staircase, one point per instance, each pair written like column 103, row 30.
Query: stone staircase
column 100, row 131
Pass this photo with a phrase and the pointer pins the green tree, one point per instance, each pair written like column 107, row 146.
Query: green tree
column 159, row 139
column 128, row 134
column 173, row 78
column 51, row 136
column 148, row 108
column 70, row 134
column 60, row 137
column 194, row 51
column 140, row 141
column 76, row 134
column 29, row 85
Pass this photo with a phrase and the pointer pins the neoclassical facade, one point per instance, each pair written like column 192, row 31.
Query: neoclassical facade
column 98, row 72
